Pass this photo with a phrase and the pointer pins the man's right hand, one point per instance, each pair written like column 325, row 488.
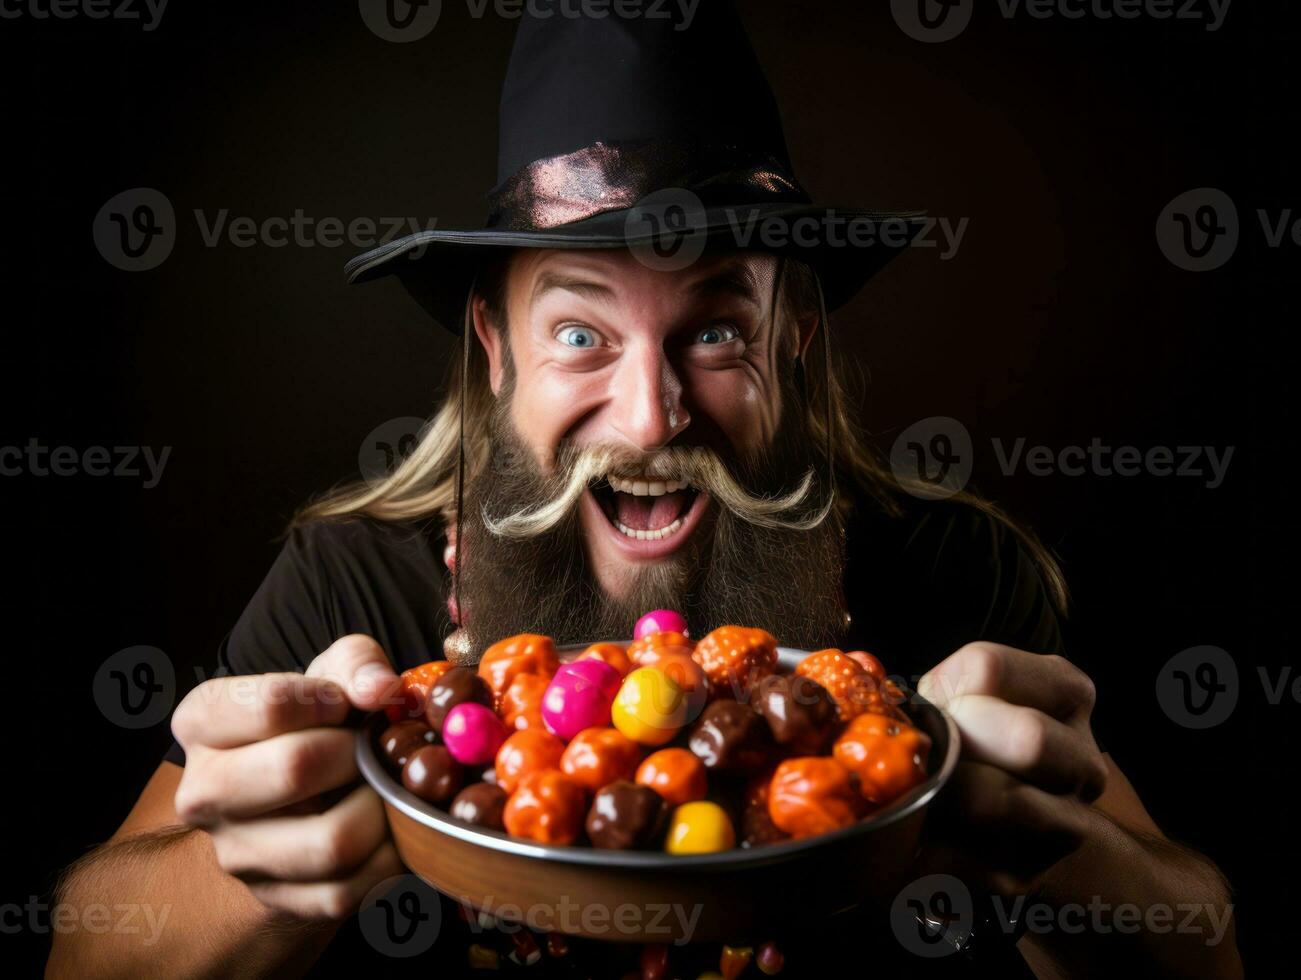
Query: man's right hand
column 259, row 751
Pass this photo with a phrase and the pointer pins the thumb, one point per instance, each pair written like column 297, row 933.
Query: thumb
column 361, row 668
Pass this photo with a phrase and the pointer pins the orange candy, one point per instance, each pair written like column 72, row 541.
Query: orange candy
column 850, row 686
column 869, row 663
column 813, row 795
column 888, row 756
column 527, row 653
column 547, row 807
column 596, row 757
column 735, row 658
column 665, row 642
column 610, row 653
column 521, row 705
column 414, row 692
column 523, row 752
column 676, row 774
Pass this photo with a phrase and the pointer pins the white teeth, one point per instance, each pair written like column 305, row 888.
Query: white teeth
column 646, row 487
column 639, row 488
column 655, row 489
column 663, row 532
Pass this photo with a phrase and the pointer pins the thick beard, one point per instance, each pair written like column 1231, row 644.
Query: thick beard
column 788, row 582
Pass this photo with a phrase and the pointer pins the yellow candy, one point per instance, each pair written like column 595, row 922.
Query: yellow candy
column 699, row 828
column 650, row 706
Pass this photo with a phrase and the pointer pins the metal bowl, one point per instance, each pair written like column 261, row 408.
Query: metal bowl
column 644, row 896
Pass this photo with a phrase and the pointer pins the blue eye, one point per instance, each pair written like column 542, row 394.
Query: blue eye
column 718, row 334
column 580, row 337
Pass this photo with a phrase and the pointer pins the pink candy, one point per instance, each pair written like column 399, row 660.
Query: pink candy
column 660, row 621
column 473, row 733
column 579, row 696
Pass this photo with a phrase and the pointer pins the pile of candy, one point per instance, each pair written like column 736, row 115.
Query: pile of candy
column 667, row 743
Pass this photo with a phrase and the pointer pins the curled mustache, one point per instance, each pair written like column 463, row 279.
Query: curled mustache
column 697, row 466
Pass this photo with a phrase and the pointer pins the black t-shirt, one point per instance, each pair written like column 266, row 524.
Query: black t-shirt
column 919, row 586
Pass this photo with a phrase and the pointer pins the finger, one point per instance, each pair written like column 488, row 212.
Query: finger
column 328, row 845
column 330, row 899
column 230, row 711
column 359, row 665
column 1030, row 745
column 244, row 782
column 1045, row 681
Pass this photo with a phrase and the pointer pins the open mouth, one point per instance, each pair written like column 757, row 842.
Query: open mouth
column 656, row 511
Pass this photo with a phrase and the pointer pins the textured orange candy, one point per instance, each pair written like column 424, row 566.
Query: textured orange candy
column 869, row 663
column 596, row 757
column 850, row 686
column 735, row 658
column 676, row 774
column 610, row 653
column 664, row 642
column 527, row 653
column 888, row 756
column 523, row 752
column 521, row 705
column 547, row 807
column 813, row 795
column 414, row 692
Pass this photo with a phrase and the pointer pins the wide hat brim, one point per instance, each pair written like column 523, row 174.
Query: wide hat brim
column 845, row 246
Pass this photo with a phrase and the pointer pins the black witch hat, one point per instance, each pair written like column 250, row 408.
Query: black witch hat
column 655, row 133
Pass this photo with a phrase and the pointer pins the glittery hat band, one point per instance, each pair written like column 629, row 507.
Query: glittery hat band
column 604, row 177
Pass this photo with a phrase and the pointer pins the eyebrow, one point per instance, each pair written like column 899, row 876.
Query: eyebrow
column 736, row 279
column 595, row 291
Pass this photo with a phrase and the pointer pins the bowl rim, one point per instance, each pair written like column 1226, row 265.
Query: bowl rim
column 394, row 794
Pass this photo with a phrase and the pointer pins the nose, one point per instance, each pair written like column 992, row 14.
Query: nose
column 647, row 401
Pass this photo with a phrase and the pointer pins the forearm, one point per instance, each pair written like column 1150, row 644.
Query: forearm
column 191, row 919
column 1137, row 901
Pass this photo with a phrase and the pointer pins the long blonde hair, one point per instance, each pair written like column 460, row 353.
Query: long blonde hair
column 426, row 484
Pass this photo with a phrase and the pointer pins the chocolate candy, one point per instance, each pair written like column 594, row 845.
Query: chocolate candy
column 398, row 741
column 731, row 737
column 480, row 804
column 799, row 711
column 460, row 685
column 432, row 774
column 625, row 815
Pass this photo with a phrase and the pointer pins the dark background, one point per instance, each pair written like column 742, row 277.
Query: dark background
column 1059, row 320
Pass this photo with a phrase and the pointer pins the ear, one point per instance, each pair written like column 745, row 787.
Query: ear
column 806, row 327
column 491, row 341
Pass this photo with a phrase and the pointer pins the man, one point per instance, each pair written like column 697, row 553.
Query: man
column 638, row 420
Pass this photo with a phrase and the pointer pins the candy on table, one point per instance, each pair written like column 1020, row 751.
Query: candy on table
column 734, row 960
column 626, row 815
column 579, row 696
column 526, row 653
column 660, row 621
column 757, row 828
column 523, row 752
column 432, row 774
column 557, row 945
column 402, row 738
column 888, row 756
column 769, row 959
column 473, row 733
column 667, row 642
column 736, row 658
column 597, row 756
column 524, row 948
column 650, row 706
column 459, row 685
column 414, row 689
column 800, row 713
column 610, row 653
column 813, row 795
column 676, row 774
column 480, row 804
column 547, row 807
column 731, row 737
column 850, row 686
column 654, row 961
column 701, row 827
column 521, row 706
column 869, row 663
